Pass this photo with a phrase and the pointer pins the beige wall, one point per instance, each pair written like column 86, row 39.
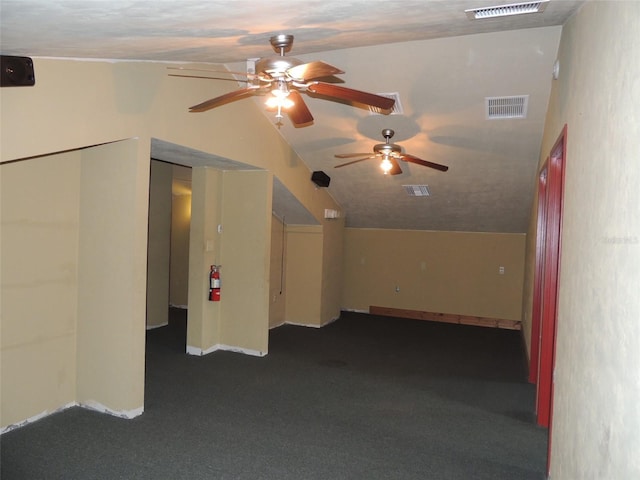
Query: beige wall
column 69, row 240
column 82, row 104
column 303, row 274
column 231, row 227
column 332, row 269
column 596, row 418
column 312, row 263
column 245, row 256
column 180, row 224
column 114, row 195
column 159, row 248
column 203, row 317
column 39, row 274
column 277, row 290
column 441, row 272
column 179, row 268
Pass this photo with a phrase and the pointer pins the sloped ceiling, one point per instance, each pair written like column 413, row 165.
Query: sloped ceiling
column 441, row 64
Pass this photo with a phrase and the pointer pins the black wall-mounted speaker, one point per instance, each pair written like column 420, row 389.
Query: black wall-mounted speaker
column 320, row 178
column 16, row 72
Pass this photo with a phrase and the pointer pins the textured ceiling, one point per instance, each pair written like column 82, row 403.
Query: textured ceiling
column 441, row 64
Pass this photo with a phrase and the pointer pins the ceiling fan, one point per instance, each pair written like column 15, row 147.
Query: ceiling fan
column 389, row 153
column 284, row 77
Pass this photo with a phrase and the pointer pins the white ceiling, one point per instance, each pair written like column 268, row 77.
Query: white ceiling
column 441, row 64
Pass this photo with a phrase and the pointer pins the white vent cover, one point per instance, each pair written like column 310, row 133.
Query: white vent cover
column 417, row 190
column 330, row 213
column 506, row 10
column 506, row 107
column 397, row 107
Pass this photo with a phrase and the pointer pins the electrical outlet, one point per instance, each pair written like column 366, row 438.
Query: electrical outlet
column 501, row 270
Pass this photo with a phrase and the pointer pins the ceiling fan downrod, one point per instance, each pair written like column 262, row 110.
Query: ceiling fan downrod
column 388, row 149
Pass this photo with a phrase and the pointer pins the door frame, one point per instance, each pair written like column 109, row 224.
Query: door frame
column 546, row 281
column 538, row 286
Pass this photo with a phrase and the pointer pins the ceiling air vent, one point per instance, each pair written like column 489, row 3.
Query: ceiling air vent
column 417, row 190
column 506, row 10
column 397, row 107
column 506, row 107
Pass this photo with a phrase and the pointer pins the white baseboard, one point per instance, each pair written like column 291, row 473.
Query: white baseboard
column 296, row 324
column 91, row 405
column 355, row 310
column 313, row 326
column 98, row 407
column 218, row 346
column 153, row 327
column 35, row 418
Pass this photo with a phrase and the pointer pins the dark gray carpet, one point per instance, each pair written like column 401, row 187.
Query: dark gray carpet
column 364, row 398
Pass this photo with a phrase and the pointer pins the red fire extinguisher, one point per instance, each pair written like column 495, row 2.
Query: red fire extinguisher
column 214, row 283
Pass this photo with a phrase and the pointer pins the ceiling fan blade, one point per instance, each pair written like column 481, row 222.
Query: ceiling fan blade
column 222, row 99
column 350, row 155
column 228, row 72
column 410, row 158
column 299, row 113
column 355, row 161
column 208, row 77
column 312, row 70
column 349, row 94
column 395, row 169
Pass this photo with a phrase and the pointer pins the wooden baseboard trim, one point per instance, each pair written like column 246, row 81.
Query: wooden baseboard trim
column 447, row 318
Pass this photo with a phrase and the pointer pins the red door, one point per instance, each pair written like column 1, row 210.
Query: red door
column 545, row 301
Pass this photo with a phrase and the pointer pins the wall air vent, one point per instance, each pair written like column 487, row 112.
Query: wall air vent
column 506, row 107
column 397, row 107
column 506, row 10
column 417, row 190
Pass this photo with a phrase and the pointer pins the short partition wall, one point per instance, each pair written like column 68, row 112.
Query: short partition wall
column 231, row 227
column 73, row 270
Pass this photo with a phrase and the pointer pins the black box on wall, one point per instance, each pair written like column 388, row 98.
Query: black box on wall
column 16, row 71
column 320, row 178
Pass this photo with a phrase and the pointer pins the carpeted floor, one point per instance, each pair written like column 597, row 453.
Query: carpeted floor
column 363, row 398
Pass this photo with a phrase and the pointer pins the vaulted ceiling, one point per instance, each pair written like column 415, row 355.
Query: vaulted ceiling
column 441, row 64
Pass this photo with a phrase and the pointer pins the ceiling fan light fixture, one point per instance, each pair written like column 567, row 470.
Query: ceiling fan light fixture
column 291, row 76
column 386, row 165
column 279, row 98
column 279, row 102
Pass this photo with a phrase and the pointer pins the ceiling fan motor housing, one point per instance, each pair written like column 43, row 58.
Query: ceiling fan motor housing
column 387, row 149
column 276, row 66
